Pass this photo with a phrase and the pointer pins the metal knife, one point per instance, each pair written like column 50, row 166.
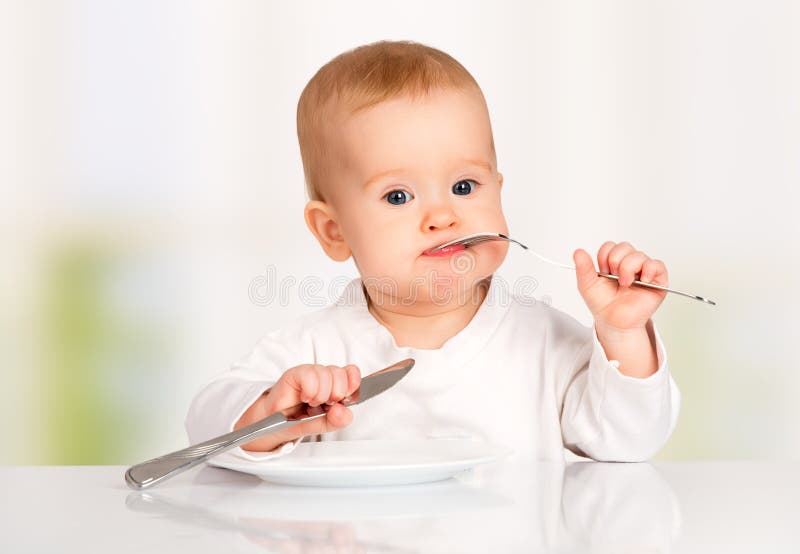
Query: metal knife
column 152, row 472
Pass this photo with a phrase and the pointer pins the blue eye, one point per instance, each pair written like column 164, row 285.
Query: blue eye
column 397, row 197
column 463, row 187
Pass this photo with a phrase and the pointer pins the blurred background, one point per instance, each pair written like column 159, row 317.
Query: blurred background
column 148, row 160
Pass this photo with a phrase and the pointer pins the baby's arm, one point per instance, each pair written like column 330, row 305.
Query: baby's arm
column 609, row 416
column 321, row 387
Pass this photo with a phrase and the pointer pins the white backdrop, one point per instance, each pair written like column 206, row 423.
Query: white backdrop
column 151, row 173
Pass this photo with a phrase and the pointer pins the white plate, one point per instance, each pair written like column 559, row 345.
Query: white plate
column 367, row 462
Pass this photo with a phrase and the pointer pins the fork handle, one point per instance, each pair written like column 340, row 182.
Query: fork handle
column 151, row 472
column 659, row 287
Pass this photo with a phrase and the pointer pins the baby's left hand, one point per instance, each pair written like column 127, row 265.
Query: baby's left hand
column 616, row 305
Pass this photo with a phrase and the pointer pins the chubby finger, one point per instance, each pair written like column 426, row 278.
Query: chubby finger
column 307, row 383
column 630, row 265
column 584, row 269
column 338, row 416
column 338, row 384
column 324, row 389
column 655, row 271
column 619, row 251
column 353, row 378
column 602, row 255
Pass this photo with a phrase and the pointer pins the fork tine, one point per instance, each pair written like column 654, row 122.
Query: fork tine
column 478, row 238
column 486, row 238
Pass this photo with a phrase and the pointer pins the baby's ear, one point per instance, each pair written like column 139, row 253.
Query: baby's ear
column 321, row 221
column 500, row 179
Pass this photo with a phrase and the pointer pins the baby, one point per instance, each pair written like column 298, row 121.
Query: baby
column 399, row 157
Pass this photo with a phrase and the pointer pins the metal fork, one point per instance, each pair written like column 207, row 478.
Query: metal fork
column 478, row 238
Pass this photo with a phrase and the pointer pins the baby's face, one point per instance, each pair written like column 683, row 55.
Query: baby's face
column 415, row 174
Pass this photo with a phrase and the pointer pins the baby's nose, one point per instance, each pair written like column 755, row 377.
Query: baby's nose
column 440, row 217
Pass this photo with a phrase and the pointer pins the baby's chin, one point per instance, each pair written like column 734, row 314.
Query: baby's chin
column 438, row 288
column 460, row 292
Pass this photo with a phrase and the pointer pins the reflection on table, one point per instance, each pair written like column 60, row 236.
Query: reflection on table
column 614, row 505
column 499, row 508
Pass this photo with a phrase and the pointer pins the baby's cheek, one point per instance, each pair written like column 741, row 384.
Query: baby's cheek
column 499, row 252
column 490, row 257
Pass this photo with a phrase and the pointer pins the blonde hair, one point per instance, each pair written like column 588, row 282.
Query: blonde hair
column 360, row 78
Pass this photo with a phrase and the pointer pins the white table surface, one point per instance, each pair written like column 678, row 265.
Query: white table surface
column 498, row 508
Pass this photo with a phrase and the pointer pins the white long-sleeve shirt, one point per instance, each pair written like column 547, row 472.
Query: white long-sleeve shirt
column 521, row 374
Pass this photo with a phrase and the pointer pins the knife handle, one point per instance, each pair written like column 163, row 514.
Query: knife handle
column 152, row 472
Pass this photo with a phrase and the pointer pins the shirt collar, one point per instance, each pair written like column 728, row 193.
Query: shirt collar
column 458, row 349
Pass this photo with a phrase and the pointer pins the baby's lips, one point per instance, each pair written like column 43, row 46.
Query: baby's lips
column 444, row 251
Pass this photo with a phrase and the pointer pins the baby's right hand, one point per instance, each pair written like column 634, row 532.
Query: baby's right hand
column 312, row 384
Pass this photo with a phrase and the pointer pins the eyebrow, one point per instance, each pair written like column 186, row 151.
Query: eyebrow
column 478, row 163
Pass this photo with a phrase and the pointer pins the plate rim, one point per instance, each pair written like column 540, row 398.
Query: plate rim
column 259, row 467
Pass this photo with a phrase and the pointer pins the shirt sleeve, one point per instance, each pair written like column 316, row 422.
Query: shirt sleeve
column 608, row 416
column 222, row 400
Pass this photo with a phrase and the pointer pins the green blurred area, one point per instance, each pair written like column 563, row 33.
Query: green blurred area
column 89, row 348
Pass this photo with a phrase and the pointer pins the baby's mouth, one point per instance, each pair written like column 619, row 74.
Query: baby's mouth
column 447, row 251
